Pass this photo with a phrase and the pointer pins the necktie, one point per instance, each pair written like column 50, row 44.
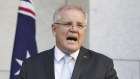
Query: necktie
column 66, row 74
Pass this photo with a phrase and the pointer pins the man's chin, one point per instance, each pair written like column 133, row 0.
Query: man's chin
column 72, row 49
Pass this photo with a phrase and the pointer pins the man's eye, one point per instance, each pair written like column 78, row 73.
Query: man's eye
column 80, row 25
column 67, row 25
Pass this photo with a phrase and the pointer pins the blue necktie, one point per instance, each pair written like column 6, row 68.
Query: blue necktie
column 66, row 74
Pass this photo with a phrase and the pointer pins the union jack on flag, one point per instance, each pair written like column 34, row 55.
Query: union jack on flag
column 25, row 43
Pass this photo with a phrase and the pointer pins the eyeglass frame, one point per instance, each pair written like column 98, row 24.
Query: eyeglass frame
column 71, row 25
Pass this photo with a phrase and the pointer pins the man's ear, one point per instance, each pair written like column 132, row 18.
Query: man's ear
column 54, row 29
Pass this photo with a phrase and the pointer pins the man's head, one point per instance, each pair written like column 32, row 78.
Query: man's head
column 69, row 28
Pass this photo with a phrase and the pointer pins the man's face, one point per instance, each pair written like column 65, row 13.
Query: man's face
column 69, row 39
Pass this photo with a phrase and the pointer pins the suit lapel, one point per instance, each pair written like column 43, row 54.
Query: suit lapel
column 81, row 63
column 49, row 64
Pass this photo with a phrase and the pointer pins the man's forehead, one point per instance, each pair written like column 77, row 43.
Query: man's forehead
column 71, row 9
column 72, row 15
column 71, row 21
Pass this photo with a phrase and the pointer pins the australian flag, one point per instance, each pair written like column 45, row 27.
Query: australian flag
column 25, row 43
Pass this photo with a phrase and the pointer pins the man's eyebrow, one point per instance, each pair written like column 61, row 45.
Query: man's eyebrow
column 70, row 22
column 67, row 22
column 80, row 23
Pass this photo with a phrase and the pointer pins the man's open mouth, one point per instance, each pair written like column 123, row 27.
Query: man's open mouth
column 72, row 38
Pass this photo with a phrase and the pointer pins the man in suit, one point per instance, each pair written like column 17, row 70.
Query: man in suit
column 69, row 30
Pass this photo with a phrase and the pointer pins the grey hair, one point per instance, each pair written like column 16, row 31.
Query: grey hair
column 57, row 17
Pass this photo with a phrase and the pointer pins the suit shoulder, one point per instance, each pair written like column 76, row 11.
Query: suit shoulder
column 99, row 56
column 39, row 56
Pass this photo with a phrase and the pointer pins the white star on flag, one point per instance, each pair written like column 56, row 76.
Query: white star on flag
column 20, row 62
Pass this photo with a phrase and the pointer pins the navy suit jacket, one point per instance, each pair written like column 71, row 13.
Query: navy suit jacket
column 89, row 65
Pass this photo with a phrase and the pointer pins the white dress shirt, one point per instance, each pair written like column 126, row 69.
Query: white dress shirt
column 58, row 61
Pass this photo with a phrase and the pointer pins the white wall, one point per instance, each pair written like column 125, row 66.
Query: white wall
column 115, row 32
column 8, row 17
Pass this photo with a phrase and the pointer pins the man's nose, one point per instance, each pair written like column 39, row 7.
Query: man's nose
column 74, row 28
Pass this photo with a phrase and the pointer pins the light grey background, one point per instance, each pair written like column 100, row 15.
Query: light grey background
column 115, row 32
column 113, row 29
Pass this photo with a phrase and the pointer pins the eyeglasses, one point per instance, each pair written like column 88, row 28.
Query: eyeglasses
column 68, row 25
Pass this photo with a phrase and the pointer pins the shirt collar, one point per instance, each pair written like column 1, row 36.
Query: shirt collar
column 75, row 54
column 59, row 54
